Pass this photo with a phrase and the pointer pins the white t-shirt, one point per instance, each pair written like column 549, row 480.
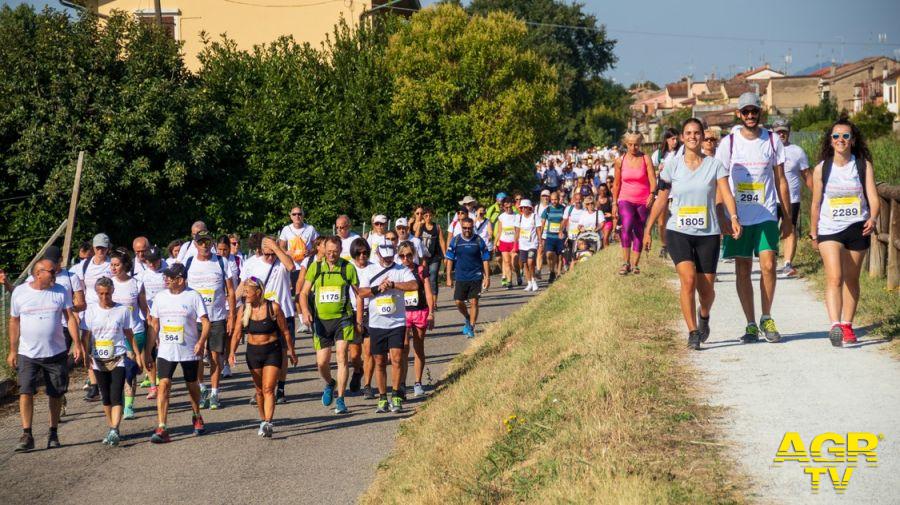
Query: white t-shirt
column 278, row 287
column 507, row 224
column 345, row 245
column 141, row 267
column 39, row 313
column 795, row 162
column 359, row 273
column 178, row 317
column 307, row 233
column 69, row 281
column 751, row 165
column 528, row 237
column 591, row 221
column 127, row 294
column 574, row 217
column 153, row 283
column 388, row 309
column 206, row 278
column 107, row 330
column 375, row 240
column 89, row 278
column 485, row 230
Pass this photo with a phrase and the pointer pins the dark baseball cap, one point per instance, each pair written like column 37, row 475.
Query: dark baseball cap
column 53, row 254
column 152, row 254
column 175, row 270
column 202, row 236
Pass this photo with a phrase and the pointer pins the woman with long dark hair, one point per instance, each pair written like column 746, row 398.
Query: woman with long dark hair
column 671, row 146
column 843, row 213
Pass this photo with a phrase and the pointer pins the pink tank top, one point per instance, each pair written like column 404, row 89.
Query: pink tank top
column 635, row 184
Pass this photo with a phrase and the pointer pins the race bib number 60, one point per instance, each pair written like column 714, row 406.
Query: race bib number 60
column 384, row 305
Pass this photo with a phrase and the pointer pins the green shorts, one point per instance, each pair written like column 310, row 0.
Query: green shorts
column 326, row 331
column 755, row 238
column 140, row 339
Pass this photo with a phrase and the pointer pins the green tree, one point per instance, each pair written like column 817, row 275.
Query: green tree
column 874, row 120
column 815, row 117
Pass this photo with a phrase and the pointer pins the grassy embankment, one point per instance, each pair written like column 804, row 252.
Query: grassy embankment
column 582, row 396
column 878, row 306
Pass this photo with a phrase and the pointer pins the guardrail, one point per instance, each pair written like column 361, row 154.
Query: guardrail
column 884, row 255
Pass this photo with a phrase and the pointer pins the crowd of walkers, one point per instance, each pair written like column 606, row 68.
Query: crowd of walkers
column 134, row 316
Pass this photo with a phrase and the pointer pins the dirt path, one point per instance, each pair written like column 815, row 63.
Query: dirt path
column 314, row 457
column 801, row 384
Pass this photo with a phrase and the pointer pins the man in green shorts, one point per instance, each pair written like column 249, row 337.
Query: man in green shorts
column 331, row 282
column 754, row 158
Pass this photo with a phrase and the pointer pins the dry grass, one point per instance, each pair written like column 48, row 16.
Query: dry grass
column 582, row 396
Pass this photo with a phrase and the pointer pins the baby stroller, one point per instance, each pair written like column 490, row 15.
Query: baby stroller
column 592, row 240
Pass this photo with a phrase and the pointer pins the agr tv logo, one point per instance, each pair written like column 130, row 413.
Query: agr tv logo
column 828, row 454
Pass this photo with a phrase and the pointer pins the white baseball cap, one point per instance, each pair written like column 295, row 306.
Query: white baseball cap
column 379, row 218
column 401, row 222
column 525, row 203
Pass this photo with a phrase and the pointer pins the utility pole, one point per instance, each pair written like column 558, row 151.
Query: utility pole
column 157, row 12
column 73, row 206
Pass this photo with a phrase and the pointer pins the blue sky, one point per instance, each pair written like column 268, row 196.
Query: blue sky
column 811, row 31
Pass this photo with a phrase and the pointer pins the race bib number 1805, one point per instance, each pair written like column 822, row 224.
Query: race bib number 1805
column 751, row 192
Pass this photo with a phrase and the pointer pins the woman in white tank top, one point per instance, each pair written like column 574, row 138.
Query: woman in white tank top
column 844, row 209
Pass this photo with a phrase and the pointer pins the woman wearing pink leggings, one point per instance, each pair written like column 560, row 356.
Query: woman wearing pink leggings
column 633, row 190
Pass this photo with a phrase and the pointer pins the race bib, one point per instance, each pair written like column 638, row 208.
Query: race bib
column 384, row 305
column 208, row 296
column 172, row 335
column 553, row 228
column 751, row 192
column 104, row 348
column 411, row 298
column 509, row 234
column 329, row 294
column 692, row 217
column 270, row 295
column 845, row 208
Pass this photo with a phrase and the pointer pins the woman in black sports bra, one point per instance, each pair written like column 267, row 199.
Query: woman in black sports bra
column 263, row 322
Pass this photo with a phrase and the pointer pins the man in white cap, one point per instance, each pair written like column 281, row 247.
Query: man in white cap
column 469, row 203
column 403, row 235
column 379, row 227
column 755, row 162
column 89, row 271
column 796, row 171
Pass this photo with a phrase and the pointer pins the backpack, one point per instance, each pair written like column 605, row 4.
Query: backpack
column 187, row 267
column 345, row 289
column 826, row 173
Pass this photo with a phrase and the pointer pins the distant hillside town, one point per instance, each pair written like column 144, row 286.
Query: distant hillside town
column 850, row 86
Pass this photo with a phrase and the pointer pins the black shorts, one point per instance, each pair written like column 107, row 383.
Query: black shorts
column 259, row 356
column 295, row 275
column 382, row 340
column 702, row 250
column 851, row 238
column 55, row 372
column 165, row 369
column 216, row 340
column 111, row 385
column 466, row 290
column 528, row 254
column 795, row 215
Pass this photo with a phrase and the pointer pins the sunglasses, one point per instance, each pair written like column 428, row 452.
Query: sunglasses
column 296, row 213
column 342, row 227
column 405, row 256
column 750, row 111
column 378, row 224
column 234, row 243
column 467, row 228
column 845, row 136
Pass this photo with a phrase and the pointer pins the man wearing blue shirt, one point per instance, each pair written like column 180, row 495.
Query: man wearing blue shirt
column 469, row 255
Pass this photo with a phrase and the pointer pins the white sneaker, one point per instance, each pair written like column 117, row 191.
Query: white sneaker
column 534, row 286
column 262, row 429
column 226, row 371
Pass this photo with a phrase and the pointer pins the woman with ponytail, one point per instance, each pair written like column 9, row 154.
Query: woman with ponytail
column 264, row 323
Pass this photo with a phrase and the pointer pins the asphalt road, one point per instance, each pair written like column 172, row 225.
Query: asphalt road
column 801, row 384
column 314, row 456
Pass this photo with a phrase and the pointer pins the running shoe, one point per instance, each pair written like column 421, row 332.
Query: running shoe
column 769, row 331
column 339, row 406
column 53, row 440
column 199, row 427
column 418, row 390
column 702, row 327
column 93, row 393
column 368, row 394
column 663, row 252
column 849, row 335
column 253, row 400
column 226, row 371
column 204, row 397
column 836, row 335
column 26, row 443
column 382, row 406
column 694, row 339
column 518, row 279
column 86, row 385
column 396, row 404
column 328, row 395
column 105, row 440
column 789, row 270
column 504, row 283
column 146, row 382
column 128, row 412
column 552, row 278
column 160, row 436
column 152, row 394
column 751, row 334
column 355, row 381
column 214, row 401
column 262, row 429
column 280, row 397
column 268, row 429
column 402, row 393
column 112, row 438
column 468, row 331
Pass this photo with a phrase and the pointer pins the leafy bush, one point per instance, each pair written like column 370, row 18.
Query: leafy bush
column 874, row 120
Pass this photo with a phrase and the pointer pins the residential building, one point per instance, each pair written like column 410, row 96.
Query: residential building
column 786, row 95
column 250, row 22
column 852, row 85
column 889, row 93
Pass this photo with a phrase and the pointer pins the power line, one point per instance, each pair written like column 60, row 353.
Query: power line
column 22, row 197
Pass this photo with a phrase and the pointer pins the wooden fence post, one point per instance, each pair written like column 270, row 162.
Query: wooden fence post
column 878, row 251
column 893, row 256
